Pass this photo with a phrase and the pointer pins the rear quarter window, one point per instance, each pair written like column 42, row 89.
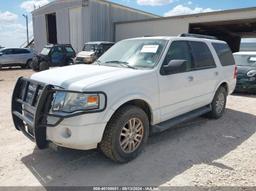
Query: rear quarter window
column 224, row 53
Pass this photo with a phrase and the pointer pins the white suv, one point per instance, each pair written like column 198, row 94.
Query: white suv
column 139, row 86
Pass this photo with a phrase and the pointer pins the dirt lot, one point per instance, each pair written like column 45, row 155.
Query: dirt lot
column 202, row 152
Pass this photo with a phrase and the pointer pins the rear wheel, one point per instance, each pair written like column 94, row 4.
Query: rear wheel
column 29, row 63
column 218, row 104
column 43, row 66
column 125, row 134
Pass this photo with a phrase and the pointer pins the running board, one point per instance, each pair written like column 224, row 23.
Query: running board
column 182, row 118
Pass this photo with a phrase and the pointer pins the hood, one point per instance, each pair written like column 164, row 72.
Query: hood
column 78, row 77
column 85, row 54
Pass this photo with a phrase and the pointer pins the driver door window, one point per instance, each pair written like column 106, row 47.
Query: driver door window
column 179, row 50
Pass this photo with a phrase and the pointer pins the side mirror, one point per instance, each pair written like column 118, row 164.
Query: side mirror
column 1, row 53
column 175, row 66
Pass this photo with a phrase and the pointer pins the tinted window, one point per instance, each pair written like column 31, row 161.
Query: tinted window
column 7, row 51
column 224, row 53
column 106, row 46
column 179, row 50
column 69, row 49
column 202, row 56
column 21, row 51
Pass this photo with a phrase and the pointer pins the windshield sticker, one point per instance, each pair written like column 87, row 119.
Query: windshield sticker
column 149, row 49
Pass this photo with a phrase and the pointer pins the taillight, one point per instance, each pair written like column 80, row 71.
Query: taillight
column 235, row 72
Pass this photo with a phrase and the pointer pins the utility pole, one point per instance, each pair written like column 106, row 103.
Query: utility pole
column 26, row 17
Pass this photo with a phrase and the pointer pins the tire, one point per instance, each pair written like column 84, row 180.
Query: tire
column 29, row 64
column 43, row 66
column 25, row 66
column 218, row 104
column 114, row 145
column 35, row 66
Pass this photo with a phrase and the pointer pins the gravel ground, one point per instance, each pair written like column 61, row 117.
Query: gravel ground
column 199, row 153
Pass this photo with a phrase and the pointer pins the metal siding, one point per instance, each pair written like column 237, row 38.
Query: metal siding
column 86, row 24
column 173, row 26
column 62, row 18
column 103, row 15
column 96, row 21
column 39, row 28
column 75, row 20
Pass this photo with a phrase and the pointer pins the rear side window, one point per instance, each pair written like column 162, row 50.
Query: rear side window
column 8, row 51
column 224, row 53
column 21, row 51
column 202, row 55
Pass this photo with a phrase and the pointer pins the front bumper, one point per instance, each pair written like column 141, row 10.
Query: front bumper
column 31, row 104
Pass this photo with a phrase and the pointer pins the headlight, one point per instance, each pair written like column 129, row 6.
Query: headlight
column 75, row 101
column 251, row 73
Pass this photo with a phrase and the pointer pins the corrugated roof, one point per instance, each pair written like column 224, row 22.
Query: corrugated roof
column 193, row 15
column 86, row 1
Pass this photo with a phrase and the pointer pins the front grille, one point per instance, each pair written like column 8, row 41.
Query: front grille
column 79, row 59
column 25, row 99
column 31, row 102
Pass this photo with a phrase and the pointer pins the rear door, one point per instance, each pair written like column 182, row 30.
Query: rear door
column 21, row 56
column 204, row 71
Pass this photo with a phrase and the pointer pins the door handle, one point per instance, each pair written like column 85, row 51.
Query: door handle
column 190, row 78
column 216, row 73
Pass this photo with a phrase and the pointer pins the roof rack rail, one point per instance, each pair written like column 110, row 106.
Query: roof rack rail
column 198, row 36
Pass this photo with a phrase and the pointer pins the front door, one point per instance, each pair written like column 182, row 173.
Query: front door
column 177, row 90
column 57, row 56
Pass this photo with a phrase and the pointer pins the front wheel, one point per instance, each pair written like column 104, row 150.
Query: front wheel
column 218, row 104
column 125, row 134
column 43, row 66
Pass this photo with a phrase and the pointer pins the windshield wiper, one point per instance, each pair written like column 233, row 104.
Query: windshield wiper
column 122, row 63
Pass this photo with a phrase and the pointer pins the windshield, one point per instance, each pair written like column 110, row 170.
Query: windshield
column 245, row 60
column 90, row 47
column 45, row 51
column 143, row 53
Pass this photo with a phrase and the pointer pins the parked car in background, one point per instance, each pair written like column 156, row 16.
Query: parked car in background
column 92, row 51
column 53, row 55
column 246, row 79
column 16, row 57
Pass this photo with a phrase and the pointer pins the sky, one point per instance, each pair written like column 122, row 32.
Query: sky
column 13, row 28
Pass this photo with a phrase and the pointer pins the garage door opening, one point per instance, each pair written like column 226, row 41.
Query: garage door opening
column 51, row 28
column 229, row 31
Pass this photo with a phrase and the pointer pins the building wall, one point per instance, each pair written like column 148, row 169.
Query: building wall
column 103, row 15
column 176, row 25
column 40, row 38
column 63, row 23
column 80, row 21
column 61, row 9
